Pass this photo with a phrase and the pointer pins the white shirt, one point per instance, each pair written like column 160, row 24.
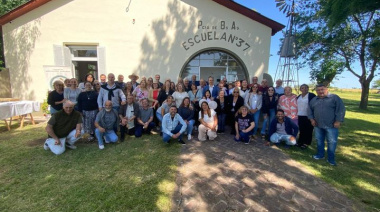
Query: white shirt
column 211, row 88
column 206, row 118
column 129, row 113
column 303, row 105
column 178, row 97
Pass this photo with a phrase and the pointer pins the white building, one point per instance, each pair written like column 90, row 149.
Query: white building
column 169, row 37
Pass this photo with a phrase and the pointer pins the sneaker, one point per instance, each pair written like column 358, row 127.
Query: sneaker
column 70, row 146
column 46, row 146
column 316, row 157
column 331, row 163
column 181, row 141
column 247, row 142
column 195, row 128
column 189, row 137
column 101, row 146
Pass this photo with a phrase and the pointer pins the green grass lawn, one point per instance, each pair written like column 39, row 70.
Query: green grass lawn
column 137, row 175
column 357, row 155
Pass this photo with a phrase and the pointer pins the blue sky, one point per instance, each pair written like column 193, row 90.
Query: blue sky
column 268, row 8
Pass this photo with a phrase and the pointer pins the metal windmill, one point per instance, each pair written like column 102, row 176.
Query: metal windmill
column 287, row 69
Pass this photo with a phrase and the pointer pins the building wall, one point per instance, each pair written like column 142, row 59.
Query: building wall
column 151, row 37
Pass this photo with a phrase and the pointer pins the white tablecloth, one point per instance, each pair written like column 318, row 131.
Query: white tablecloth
column 10, row 109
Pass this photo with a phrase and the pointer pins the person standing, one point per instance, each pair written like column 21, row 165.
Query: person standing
column 279, row 88
column 103, row 79
column 306, row 129
column 234, row 102
column 55, row 98
column 72, row 92
column 214, row 90
column 88, row 107
column 111, row 92
column 288, row 103
column 254, row 101
column 221, row 111
column 173, row 126
column 120, row 82
column 326, row 113
column 179, row 94
column 268, row 109
column 88, row 78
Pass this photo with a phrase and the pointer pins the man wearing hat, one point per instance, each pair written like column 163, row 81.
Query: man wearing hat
column 133, row 77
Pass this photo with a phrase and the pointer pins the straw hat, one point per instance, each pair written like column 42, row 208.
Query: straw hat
column 133, row 75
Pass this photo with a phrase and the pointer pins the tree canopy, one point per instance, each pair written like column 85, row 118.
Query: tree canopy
column 331, row 37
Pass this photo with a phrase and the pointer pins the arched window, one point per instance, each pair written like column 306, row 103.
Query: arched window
column 215, row 63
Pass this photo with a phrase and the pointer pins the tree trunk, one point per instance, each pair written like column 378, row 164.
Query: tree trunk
column 364, row 96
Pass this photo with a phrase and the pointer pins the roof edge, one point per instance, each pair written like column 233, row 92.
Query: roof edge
column 276, row 27
column 21, row 10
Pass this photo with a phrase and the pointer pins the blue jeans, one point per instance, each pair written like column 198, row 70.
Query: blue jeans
column 221, row 121
column 277, row 138
column 166, row 137
column 159, row 117
column 52, row 110
column 190, row 126
column 331, row 136
column 271, row 114
column 139, row 129
column 109, row 135
column 256, row 117
column 244, row 136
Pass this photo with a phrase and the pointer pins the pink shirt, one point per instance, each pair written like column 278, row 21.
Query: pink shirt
column 289, row 105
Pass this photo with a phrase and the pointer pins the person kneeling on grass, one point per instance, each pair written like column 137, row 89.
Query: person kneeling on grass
column 173, row 126
column 144, row 119
column 282, row 128
column 106, row 122
column 208, row 120
column 64, row 129
column 244, row 125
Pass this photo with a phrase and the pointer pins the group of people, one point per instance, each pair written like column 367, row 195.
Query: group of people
column 102, row 108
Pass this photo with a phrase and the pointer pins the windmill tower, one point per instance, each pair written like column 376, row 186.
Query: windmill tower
column 287, row 69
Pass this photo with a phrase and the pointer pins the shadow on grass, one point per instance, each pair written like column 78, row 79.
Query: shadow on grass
column 136, row 175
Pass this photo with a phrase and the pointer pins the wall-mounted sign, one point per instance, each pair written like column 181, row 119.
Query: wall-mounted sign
column 54, row 73
column 215, row 32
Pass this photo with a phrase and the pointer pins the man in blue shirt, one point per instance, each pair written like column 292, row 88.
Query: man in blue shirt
column 326, row 113
column 173, row 126
column 214, row 90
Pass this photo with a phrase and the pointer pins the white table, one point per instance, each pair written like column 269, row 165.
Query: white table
column 8, row 110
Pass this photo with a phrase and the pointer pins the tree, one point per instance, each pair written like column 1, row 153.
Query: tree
column 349, row 33
column 5, row 7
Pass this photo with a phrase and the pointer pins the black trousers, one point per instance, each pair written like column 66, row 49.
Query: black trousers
column 124, row 130
column 306, row 130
